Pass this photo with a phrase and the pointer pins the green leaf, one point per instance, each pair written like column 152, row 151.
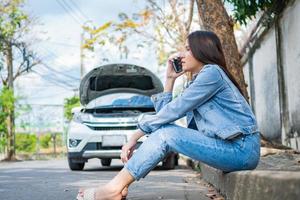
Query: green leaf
column 70, row 103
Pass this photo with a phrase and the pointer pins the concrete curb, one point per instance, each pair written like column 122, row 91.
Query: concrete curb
column 254, row 185
column 277, row 177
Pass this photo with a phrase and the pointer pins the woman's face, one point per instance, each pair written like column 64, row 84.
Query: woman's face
column 189, row 62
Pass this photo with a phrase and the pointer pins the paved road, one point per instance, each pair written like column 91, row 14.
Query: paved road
column 52, row 180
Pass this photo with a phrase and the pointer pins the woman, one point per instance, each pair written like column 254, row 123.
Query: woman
column 222, row 130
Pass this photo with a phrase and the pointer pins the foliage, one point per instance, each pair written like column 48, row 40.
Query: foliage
column 246, row 9
column 26, row 142
column 1, row 59
column 3, row 133
column 59, row 140
column 70, row 103
column 45, row 140
column 3, row 142
column 11, row 18
column 7, row 102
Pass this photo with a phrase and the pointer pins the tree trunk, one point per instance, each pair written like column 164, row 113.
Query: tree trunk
column 214, row 18
column 54, row 144
column 11, row 153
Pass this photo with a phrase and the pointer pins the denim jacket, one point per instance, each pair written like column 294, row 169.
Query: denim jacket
column 211, row 100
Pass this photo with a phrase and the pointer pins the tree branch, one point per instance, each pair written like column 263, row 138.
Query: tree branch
column 3, row 80
column 161, row 18
column 147, row 35
column 19, row 73
column 189, row 21
column 181, row 26
column 28, row 59
column 155, row 6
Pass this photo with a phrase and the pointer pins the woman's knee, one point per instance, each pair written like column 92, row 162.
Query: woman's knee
column 165, row 133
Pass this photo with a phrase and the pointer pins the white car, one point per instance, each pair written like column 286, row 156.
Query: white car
column 113, row 96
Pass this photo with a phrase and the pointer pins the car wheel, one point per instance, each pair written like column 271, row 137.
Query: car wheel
column 75, row 166
column 106, row 162
column 170, row 162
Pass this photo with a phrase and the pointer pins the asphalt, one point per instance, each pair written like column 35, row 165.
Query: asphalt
column 51, row 179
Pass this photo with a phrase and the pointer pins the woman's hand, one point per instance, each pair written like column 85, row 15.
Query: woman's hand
column 127, row 150
column 129, row 147
column 171, row 74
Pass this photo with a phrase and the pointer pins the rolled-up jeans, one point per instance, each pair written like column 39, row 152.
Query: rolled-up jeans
column 240, row 153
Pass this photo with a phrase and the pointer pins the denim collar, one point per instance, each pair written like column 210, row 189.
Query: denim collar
column 194, row 76
column 192, row 80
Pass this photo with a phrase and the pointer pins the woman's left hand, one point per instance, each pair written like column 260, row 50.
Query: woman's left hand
column 127, row 150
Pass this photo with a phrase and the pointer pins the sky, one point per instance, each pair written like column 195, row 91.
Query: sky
column 57, row 43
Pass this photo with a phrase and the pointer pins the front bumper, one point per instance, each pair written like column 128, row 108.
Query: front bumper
column 94, row 154
column 102, row 154
column 95, row 150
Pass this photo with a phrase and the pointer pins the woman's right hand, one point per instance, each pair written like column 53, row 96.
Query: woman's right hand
column 170, row 71
column 127, row 150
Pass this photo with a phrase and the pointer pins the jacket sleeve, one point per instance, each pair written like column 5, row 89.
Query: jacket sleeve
column 208, row 82
column 161, row 99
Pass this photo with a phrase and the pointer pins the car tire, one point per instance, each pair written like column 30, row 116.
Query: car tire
column 106, row 162
column 75, row 166
column 170, row 161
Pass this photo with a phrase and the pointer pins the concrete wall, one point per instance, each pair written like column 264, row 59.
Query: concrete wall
column 247, row 80
column 264, row 89
column 290, row 26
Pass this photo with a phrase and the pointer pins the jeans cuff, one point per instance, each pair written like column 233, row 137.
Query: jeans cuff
column 132, row 173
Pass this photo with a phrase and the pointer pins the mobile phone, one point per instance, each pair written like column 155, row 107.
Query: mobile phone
column 177, row 65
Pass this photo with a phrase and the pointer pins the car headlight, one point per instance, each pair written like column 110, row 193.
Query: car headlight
column 74, row 142
column 82, row 117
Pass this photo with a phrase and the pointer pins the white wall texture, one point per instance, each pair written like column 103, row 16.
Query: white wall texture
column 265, row 77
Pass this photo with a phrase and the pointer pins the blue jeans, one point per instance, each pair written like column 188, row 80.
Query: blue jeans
column 241, row 153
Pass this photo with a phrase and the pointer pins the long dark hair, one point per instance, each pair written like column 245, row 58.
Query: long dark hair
column 206, row 48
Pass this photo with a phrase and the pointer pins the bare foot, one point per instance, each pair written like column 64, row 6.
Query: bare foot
column 108, row 193
column 125, row 192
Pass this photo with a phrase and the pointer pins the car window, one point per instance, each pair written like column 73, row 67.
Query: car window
column 121, row 100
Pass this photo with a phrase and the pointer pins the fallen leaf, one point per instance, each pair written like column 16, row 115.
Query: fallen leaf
column 210, row 195
column 219, row 198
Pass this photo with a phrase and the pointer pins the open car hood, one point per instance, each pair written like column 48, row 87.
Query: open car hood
column 115, row 78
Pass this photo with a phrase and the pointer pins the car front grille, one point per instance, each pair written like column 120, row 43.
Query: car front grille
column 98, row 146
column 96, row 128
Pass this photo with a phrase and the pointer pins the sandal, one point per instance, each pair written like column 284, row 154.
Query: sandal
column 89, row 194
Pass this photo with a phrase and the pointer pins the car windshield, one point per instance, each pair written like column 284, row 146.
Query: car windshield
column 121, row 100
